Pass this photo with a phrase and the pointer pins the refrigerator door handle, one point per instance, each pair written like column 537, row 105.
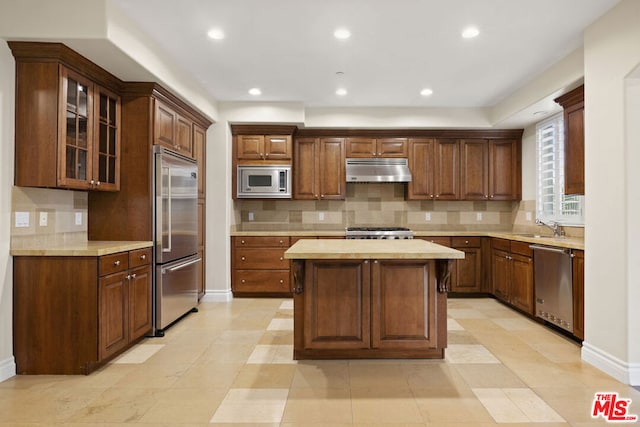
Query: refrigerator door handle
column 181, row 266
column 168, row 219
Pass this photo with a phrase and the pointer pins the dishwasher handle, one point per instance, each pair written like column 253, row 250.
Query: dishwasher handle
column 550, row 249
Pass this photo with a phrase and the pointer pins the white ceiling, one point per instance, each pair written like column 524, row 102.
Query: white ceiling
column 397, row 48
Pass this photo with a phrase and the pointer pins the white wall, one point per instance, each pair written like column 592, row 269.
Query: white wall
column 611, row 315
column 7, row 89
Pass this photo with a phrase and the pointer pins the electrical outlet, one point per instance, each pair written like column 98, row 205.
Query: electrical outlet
column 427, row 216
column 250, row 216
column 78, row 218
column 321, row 216
column 22, row 219
column 44, row 219
column 478, row 216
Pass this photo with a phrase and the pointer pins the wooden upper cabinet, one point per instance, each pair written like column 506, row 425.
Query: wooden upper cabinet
column 377, row 147
column 106, row 159
column 490, row 169
column 172, row 130
column 447, row 167
column 67, row 122
column 474, row 166
column 573, row 104
column 264, row 147
column 199, row 151
column 504, row 170
column 422, row 166
column 319, row 169
column 434, row 165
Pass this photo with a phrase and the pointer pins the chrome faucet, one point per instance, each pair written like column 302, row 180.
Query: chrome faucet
column 555, row 227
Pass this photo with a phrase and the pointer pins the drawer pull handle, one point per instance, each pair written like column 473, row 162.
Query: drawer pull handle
column 466, row 242
column 242, row 242
column 143, row 256
column 242, row 281
column 281, row 281
column 243, row 258
column 281, row 242
column 281, row 259
column 116, row 262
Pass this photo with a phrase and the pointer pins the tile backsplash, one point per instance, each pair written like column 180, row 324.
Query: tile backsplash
column 63, row 209
column 378, row 205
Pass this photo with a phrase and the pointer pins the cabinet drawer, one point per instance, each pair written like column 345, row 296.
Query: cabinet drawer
column 114, row 263
column 263, row 241
column 261, row 281
column 521, row 248
column 439, row 240
column 465, row 242
column 501, row 244
column 139, row 257
column 256, row 258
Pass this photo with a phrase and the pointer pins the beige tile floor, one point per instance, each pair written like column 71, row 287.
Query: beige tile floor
column 230, row 364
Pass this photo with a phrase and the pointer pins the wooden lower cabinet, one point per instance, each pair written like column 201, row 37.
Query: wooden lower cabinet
column 512, row 272
column 258, row 266
column 578, row 293
column 468, row 271
column 467, row 275
column 369, row 309
column 72, row 314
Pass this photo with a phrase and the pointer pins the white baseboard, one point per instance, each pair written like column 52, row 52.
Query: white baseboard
column 217, row 296
column 7, row 368
column 627, row 373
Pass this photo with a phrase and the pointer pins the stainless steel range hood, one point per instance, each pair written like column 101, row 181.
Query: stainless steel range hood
column 378, row 170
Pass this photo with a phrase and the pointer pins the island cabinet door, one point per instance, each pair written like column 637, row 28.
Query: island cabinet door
column 403, row 306
column 337, row 304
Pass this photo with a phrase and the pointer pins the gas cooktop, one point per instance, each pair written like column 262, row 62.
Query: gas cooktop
column 378, row 233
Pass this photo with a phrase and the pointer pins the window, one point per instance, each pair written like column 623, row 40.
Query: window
column 552, row 205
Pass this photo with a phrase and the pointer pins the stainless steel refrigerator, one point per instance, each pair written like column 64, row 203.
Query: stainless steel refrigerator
column 175, row 227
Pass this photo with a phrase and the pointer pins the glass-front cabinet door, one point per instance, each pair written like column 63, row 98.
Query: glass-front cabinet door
column 106, row 161
column 76, row 131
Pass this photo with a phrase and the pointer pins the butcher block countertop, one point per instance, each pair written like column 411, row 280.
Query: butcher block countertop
column 87, row 248
column 368, row 249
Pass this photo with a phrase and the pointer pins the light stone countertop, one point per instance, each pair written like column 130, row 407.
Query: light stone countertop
column 87, row 248
column 564, row 242
column 369, row 249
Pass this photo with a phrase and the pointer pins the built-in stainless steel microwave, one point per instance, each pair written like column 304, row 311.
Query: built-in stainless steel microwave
column 273, row 181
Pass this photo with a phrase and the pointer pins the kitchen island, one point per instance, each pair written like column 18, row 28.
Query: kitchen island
column 370, row 298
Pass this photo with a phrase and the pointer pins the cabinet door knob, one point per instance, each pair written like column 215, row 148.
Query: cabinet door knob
column 242, row 242
column 98, row 183
column 128, row 277
column 243, row 258
column 267, row 155
column 143, row 256
column 466, row 242
column 281, row 281
column 375, row 261
column 133, row 276
column 431, row 196
column 281, row 242
column 281, row 258
column 242, row 281
column 366, row 261
column 437, row 195
column 116, row 262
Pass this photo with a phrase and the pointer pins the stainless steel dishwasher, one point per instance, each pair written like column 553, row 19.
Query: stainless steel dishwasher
column 553, row 281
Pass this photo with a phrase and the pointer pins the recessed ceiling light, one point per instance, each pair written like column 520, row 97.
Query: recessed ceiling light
column 341, row 92
column 255, row 91
column 470, row 32
column 539, row 113
column 426, row 92
column 342, row 33
column 216, row 34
